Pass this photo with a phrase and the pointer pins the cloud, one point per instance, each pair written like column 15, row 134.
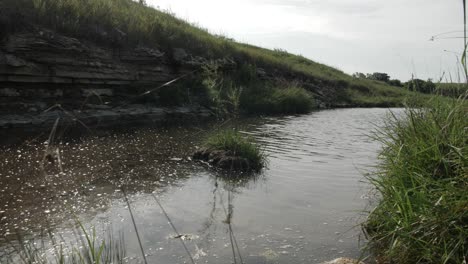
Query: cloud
column 383, row 35
column 349, row 7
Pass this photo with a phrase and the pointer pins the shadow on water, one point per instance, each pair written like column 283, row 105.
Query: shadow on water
column 46, row 181
column 298, row 210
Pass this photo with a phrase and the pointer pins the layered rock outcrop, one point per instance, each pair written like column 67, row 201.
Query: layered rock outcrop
column 41, row 69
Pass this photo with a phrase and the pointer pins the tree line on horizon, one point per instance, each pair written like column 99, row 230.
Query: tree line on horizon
column 417, row 85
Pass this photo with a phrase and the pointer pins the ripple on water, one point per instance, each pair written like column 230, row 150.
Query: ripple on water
column 300, row 209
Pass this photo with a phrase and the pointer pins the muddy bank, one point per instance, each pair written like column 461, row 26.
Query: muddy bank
column 223, row 159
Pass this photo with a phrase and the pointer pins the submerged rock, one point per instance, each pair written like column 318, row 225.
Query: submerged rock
column 344, row 261
column 222, row 159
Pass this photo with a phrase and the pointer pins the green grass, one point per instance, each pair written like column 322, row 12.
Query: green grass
column 451, row 89
column 288, row 100
column 241, row 146
column 422, row 181
column 98, row 20
column 88, row 249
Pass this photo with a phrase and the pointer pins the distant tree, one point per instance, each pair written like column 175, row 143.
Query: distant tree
column 414, row 84
column 281, row 52
column 421, row 86
column 359, row 75
column 142, row 2
column 430, row 87
column 395, row 82
column 379, row 76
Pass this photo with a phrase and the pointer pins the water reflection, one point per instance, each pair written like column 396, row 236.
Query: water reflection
column 300, row 209
column 88, row 178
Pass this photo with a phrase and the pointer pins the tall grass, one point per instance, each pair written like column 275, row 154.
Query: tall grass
column 451, row 89
column 422, row 180
column 276, row 100
column 87, row 249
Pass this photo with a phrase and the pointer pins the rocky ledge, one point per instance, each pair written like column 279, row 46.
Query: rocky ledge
column 222, row 159
column 104, row 116
column 41, row 68
column 45, row 75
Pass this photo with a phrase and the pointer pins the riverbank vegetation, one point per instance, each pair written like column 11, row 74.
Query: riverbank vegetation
column 448, row 88
column 422, row 213
column 452, row 89
column 229, row 149
column 230, row 97
column 279, row 100
column 124, row 23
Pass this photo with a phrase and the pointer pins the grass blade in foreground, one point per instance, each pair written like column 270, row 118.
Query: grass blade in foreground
column 422, row 215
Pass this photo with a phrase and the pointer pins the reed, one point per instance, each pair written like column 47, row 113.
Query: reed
column 422, row 213
column 422, row 182
column 87, row 249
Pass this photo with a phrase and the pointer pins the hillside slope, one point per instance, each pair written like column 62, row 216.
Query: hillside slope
column 66, row 50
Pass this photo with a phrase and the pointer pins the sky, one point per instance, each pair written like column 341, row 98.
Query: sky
column 351, row 35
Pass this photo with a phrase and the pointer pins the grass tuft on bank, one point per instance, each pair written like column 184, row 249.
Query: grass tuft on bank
column 288, row 100
column 422, row 184
column 239, row 145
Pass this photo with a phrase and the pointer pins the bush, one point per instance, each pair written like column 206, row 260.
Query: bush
column 246, row 74
column 452, row 89
column 395, row 82
column 223, row 95
column 421, row 86
column 422, row 215
column 290, row 100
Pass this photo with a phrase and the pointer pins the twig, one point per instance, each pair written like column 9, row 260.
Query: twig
column 231, row 232
column 134, row 225
column 59, row 159
column 232, row 244
column 173, row 227
column 49, row 144
column 154, row 89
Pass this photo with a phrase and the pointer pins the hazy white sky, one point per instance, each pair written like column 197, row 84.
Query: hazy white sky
column 352, row 35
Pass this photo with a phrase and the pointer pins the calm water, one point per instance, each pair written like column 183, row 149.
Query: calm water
column 305, row 207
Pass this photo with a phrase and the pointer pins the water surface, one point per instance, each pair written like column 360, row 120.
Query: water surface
column 305, row 207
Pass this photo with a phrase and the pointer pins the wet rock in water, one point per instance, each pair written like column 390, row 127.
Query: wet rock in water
column 215, row 156
column 202, row 154
column 344, row 261
column 232, row 162
column 222, row 159
column 185, row 236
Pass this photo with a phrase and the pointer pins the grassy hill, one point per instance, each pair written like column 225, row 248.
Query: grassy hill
column 127, row 23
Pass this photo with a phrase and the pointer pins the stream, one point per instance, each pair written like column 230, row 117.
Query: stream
column 306, row 206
